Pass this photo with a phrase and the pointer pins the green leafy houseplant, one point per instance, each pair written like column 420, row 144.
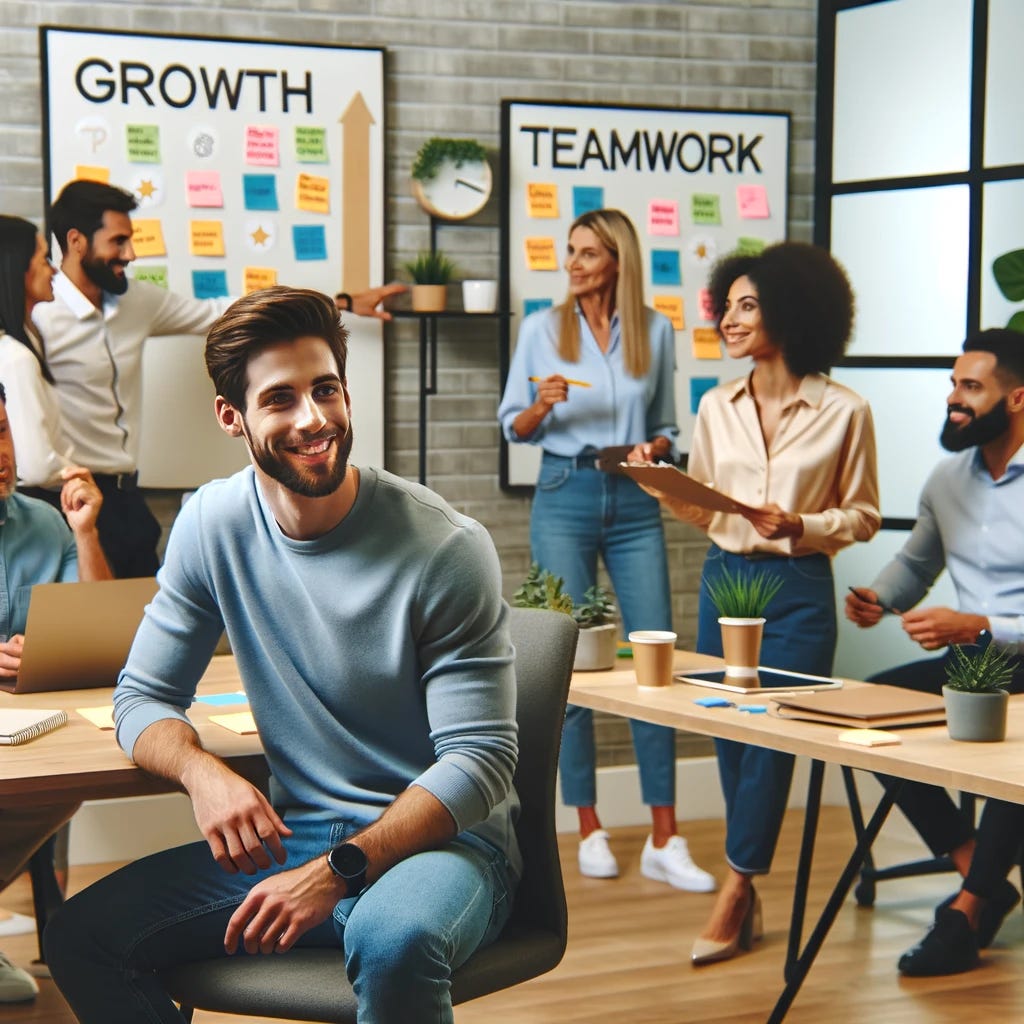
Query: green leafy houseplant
column 430, row 268
column 542, row 589
column 989, row 671
column 435, row 151
column 596, row 609
column 743, row 596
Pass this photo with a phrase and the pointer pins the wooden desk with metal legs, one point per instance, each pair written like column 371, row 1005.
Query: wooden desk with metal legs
column 926, row 754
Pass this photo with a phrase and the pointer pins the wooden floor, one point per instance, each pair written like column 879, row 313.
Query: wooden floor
column 628, row 956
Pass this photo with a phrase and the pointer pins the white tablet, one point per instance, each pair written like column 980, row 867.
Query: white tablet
column 775, row 680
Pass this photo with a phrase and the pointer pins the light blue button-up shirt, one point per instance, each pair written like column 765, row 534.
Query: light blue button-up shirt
column 973, row 526
column 616, row 409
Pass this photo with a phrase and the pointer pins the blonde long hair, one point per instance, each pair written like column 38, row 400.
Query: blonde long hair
column 617, row 234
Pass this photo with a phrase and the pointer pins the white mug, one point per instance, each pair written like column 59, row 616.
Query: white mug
column 479, row 296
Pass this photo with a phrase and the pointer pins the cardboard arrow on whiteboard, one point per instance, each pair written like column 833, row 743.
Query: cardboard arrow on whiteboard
column 355, row 195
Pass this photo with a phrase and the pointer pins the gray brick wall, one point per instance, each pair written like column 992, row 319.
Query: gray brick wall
column 449, row 63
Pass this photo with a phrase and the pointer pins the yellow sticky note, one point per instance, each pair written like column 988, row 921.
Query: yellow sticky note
column 540, row 254
column 240, row 722
column 313, row 193
column 148, row 238
column 541, row 200
column 102, row 717
column 206, row 238
column 85, row 172
column 672, row 307
column 706, row 343
column 257, row 278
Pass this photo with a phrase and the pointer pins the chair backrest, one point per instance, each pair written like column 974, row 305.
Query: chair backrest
column 310, row 984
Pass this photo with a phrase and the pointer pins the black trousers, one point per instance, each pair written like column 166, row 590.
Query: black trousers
column 129, row 532
column 933, row 812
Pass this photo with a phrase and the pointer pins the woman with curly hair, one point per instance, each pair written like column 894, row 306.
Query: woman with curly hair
column 799, row 449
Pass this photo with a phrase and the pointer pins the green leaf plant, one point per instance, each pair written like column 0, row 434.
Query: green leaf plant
column 1008, row 270
column 743, row 595
column 430, row 268
column 987, row 671
column 435, row 151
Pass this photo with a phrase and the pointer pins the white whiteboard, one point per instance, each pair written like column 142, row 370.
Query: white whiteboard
column 694, row 182
column 280, row 145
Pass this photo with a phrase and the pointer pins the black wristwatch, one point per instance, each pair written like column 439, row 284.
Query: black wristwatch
column 349, row 863
column 347, row 299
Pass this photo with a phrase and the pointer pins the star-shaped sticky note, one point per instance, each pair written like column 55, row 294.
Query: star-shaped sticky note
column 146, row 188
column 259, row 236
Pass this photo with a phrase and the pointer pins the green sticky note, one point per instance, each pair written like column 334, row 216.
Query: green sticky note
column 749, row 246
column 310, row 144
column 143, row 143
column 155, row 275
column 704, row 208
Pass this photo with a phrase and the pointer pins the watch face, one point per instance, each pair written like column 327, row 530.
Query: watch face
column 456, row 191
column 348, row 860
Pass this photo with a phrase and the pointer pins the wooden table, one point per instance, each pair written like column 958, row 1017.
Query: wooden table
column 926, row 754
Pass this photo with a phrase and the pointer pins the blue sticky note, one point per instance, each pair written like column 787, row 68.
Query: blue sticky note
column 698, row 385
column 260, row 191
column 586, row 198
column 533, row 305
column 665, row 267
column 310, row 241
column 753, row 709
column 221, row 699
column 713, row 702
column 210, row 284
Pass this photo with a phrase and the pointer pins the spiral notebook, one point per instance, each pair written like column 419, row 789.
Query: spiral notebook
column 19, row 725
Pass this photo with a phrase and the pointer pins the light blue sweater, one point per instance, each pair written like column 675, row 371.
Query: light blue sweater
column 374, row 657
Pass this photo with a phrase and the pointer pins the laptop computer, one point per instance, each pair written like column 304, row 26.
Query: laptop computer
column 78, row 635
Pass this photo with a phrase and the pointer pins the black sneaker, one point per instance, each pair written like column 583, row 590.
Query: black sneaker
column 993, row 913
column 949, row 947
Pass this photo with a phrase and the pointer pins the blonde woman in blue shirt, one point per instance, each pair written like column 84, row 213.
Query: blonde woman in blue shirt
column 624, row 354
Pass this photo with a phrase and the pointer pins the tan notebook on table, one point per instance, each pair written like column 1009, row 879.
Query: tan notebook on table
column 876, row 706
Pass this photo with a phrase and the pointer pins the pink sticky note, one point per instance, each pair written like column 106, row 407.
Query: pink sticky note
column 203, row 188
column 707, row 309
column 261, row 145
column 663, row 217
column 752, row 201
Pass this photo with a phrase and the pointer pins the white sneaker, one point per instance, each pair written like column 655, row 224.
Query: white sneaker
column 595, row 857
column 672, row 863
column 16, row 986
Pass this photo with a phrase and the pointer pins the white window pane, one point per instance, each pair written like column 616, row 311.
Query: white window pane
column 1002, row 232
column 1004, row 112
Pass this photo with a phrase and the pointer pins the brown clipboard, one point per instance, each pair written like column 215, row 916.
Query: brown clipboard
column 877, row 706
column 678, row 484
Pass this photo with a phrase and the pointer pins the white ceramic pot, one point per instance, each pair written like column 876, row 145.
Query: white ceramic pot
column 596, row 648
column 479, row 296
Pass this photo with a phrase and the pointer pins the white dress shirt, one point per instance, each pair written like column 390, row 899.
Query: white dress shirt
column 95, row 356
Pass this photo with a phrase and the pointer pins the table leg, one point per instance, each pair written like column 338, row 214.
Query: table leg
column 797, row 971
column 46, row 894
column 803, row 870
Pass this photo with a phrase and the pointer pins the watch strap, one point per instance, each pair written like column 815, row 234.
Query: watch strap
column 346, row 298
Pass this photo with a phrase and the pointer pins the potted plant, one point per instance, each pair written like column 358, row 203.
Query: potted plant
column 975, row 693
column 741, row 600
column 595, row 616
column 430, row 273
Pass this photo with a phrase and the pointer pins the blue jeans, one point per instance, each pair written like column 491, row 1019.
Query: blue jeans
column 799, row 635
column 578, row 514
column 401, row 938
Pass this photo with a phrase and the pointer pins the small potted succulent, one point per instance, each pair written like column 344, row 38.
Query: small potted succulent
column 976, row 694
column 430, row 273
column 741, row 600
column 595, row 616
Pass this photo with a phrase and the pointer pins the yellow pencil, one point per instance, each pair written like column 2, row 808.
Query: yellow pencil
column 568, row 380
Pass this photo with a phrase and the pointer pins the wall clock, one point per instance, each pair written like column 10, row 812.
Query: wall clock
column 451, row 178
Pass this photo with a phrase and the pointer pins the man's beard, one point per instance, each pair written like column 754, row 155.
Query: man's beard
column 309, row 483
column 978, row 430
column 101, row 273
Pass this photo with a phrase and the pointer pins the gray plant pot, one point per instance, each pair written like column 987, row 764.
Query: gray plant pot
column 976, row 717
column 596, row 648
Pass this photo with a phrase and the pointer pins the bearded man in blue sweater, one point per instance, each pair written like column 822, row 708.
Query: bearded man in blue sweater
column 368, row 625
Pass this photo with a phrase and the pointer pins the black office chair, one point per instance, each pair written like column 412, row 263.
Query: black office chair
column 310, row 984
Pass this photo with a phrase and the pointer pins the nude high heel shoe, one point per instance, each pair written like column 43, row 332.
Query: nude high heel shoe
column 710, row 951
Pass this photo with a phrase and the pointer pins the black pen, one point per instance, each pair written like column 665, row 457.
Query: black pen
column 884, row 607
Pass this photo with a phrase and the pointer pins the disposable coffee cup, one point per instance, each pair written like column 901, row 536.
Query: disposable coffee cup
column 479, row 296
column 653, row 651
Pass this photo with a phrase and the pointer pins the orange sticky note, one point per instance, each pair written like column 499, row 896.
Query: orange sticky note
column 85, row 172
column 257, row 278
column 312, row 193
column 206, row 238
column 148, row 238
column 706, row 343
column 540, row 254
column 541, row 200
column 672, row 307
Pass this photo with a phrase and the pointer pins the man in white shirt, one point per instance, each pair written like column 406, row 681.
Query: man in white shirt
column 94, row 332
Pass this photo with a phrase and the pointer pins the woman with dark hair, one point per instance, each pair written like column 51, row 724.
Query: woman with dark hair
column 26, row 278
column 799, row 449
column 594, row 372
